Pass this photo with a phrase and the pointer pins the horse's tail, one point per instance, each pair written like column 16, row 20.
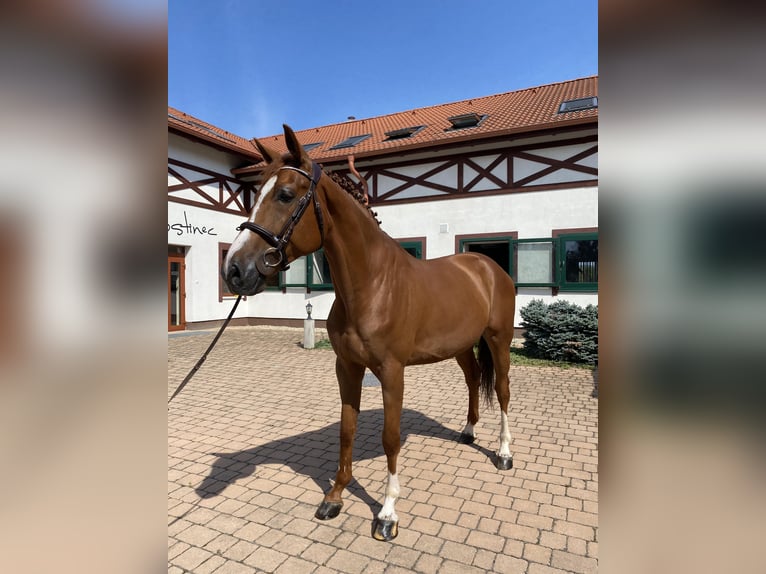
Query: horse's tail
column 487, row 372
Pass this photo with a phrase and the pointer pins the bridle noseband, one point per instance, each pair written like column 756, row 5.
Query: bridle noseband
column 275, row 255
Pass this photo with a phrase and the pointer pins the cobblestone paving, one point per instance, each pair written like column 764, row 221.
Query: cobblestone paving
column 253, row 446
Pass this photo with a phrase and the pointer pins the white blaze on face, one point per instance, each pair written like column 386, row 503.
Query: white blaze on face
column 241, row 239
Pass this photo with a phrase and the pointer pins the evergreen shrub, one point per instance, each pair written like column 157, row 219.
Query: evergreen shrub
column 561, row 331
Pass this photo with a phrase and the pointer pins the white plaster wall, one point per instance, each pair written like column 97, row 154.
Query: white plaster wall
column 202, row 273
column 532, row 214
column 202, row 249
column 202, row 258
column 201, row 155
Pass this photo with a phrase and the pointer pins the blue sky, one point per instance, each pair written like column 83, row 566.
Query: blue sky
column 248, row 66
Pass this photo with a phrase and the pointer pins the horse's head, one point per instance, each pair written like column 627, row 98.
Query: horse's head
column 285, row 223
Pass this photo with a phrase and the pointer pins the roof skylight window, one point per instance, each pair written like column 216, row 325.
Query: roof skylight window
column 310, row 146
column 403, row 133
column 201, row 127
column 463, row 121
column 351, row 142
column 578, row 105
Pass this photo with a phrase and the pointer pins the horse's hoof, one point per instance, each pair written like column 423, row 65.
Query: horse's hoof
column 328, row 510
column 504, row 462
column 466, row 438
column 385, row 530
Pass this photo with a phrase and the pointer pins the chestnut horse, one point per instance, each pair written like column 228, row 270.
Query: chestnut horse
column 391, row 309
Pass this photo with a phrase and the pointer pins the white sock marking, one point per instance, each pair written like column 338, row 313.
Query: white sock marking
column 392, row 493
column 505, row 436
column 468, row 429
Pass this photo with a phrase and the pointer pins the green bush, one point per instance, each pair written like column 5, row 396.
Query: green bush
column 561, row 331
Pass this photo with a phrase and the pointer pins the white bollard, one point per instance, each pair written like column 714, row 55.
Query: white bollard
column 308, row 333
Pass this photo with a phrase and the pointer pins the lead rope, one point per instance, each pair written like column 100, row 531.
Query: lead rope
column 196, row 367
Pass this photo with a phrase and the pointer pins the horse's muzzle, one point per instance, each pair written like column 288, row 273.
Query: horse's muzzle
column 247, row 281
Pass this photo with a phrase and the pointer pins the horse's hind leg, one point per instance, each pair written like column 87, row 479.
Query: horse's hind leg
column 499, row 346
column 472, row 373
column 350, row 383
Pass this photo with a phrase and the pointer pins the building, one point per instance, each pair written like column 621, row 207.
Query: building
column 512, row 175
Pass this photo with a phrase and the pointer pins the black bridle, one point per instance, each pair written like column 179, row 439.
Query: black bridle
column 275, row 255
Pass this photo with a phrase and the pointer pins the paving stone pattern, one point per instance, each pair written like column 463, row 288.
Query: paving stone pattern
column 253, row 446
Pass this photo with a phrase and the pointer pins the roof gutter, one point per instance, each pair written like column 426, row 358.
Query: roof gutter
column 195, row 135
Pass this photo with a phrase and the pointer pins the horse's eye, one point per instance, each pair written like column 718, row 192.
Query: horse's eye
column 285, row 196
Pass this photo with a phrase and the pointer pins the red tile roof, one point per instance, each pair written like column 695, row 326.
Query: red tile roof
column 189, row 125
column 520, row 111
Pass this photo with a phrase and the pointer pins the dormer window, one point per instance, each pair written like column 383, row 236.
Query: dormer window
column 351, row 142
column 403, row 133
column 578, row 105
column 464, row 121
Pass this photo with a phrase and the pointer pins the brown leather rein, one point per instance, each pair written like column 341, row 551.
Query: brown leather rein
column 196, row 367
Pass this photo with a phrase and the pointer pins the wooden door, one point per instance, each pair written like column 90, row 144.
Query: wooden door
column 176, row 293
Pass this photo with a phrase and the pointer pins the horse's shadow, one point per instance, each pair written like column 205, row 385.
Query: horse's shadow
column 315, row 453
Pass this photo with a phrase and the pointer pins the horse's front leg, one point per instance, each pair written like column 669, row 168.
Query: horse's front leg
column 350, row 384
column 386, row 525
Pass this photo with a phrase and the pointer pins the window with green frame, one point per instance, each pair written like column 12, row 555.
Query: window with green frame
column 312, row 271
column 412, row 246
column 566, row 262
column 295, row 275
column 498, row 247
column 534, row 262
column 578, row 261
column 318, row 271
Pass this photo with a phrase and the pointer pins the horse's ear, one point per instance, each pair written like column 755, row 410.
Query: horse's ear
column 295, row 147
column 268, row 154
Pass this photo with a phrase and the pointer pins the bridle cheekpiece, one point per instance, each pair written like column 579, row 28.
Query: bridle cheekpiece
column 275, row 255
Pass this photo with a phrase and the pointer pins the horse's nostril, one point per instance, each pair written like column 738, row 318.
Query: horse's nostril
column 234, row 275
column 234, row 271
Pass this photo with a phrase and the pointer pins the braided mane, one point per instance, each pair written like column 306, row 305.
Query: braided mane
column 344, row 182
column 353, row 189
